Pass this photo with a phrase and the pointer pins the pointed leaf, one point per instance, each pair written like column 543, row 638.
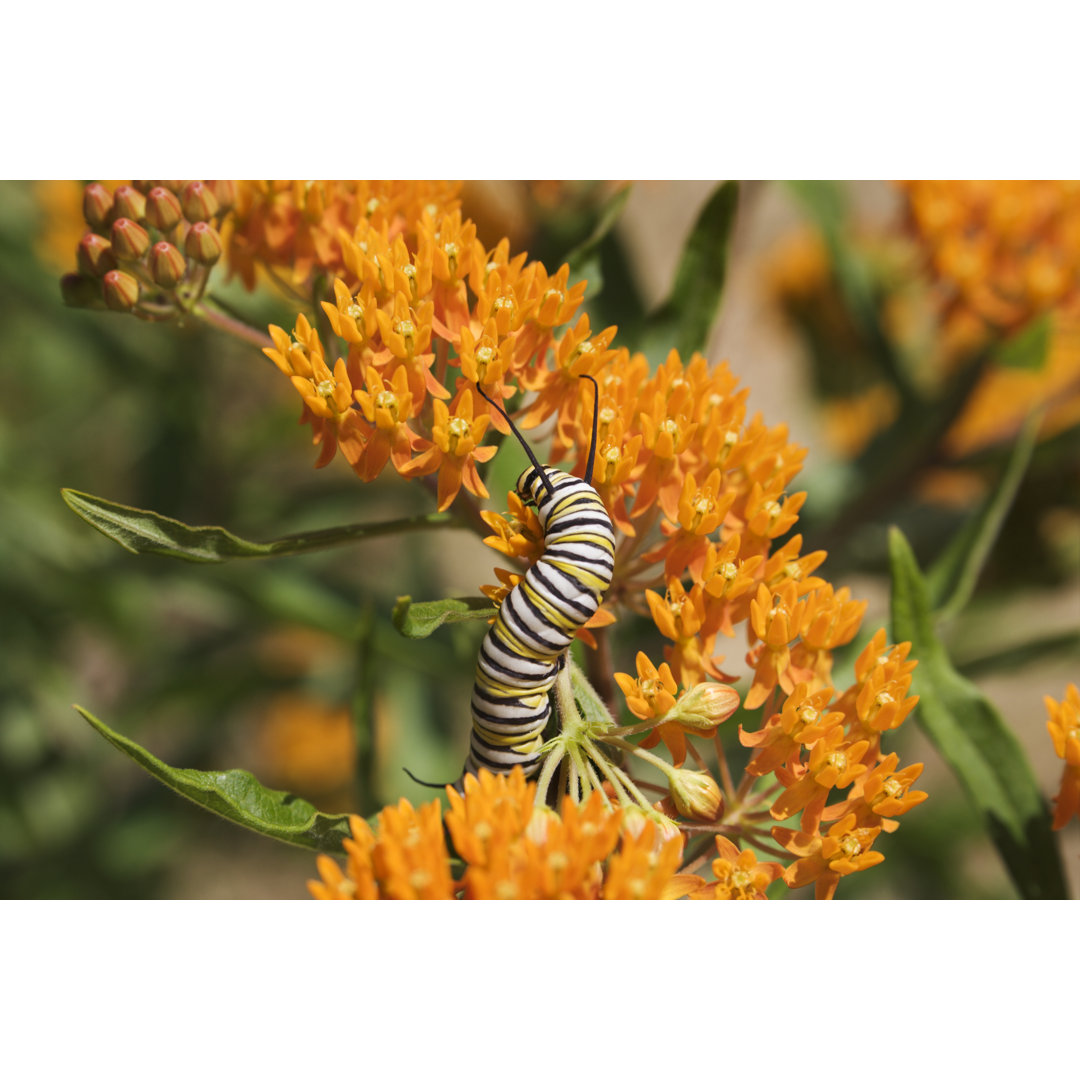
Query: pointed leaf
column 238, row 797
column 610, row 213
column 952, row 578
column 423, row 619
column 145, row 533
column 972, row 737
column 684, row 320
column 1028, row 348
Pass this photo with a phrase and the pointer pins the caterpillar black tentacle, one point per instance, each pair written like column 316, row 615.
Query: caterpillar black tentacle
column 521, row 654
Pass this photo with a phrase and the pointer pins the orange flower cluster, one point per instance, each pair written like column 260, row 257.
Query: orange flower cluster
column 1064, row 729
column 511, row 850
column 290, row 227
column 1004, row 250
column 422, row 315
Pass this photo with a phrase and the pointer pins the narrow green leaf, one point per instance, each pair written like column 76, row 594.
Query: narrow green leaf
column 974, row 740
column 610, row 213
column 423, row 619
column 145, row 533
column 684, row 320
column 238, row 797
column 1027, row 349
column 952, row 578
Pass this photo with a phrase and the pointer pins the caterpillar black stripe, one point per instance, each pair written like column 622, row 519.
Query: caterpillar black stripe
column 520, row 657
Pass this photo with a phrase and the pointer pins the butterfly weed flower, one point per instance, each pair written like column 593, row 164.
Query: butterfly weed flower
column 1064, row 728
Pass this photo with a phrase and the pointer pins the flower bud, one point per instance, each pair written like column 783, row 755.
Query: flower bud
column 175, row 186
column 97, row 205
column 162, row 208
column 635, row 819
column 142, row 186
column 203, row 244
column 696, row 795
column 225, row 193
column 167, row 265
column 198, row 201
column 94, row 255
column 129, row 203
column 80, row 291
column 129, row 240
column 121, row 290
column 705, row 706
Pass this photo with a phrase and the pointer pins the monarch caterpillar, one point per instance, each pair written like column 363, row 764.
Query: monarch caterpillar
column 527, row 643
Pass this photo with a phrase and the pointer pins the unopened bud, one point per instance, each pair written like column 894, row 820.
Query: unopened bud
column 162, row 208
column 635, row 819
column 121, row 290
column 143, row 186
column 696, row 795
column 129, row 203
column 80, row 291
column 203, row 244
column 705, row 706
column 97, row 205
column 130, row 241
column 94, row 255
column 225, row 193
column 167, row 264
column 198, row 201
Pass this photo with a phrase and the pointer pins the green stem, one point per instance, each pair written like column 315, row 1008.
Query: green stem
column 229, row 325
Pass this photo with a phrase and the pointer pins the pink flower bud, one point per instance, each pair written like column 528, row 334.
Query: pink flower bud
column 130, row 241
column 162, row 208
column 198, row 201
column 129, row 203
column 121, row 290
column 167, row 265
column 203, row 244
column 97, row 205
column 94, row 255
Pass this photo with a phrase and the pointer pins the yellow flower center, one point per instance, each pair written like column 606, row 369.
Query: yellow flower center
column 742, row 881
column 838, row 760
column 325, row 389
column 850, row 846
column 387, row 399
column 553, row 292
column 458, row 429
column 506, row 890
column 355, row 311
column 419, row 879
column 807, row 714
column 893, row 788
column 730, row 571
column 649, row 688
column 671, row 428
column 607, row 415
column 372, row 205
column 557, row 862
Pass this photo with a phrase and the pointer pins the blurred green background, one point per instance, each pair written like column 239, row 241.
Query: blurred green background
column 260, row 665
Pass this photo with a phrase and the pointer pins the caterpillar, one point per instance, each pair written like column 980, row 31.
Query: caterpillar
column 521, row 655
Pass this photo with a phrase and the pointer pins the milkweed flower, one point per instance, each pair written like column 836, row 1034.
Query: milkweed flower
column 1064, row 729
column 511, row 848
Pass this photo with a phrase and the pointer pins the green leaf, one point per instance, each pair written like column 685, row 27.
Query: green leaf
column 423, row 619
column 145, row 533
column 589, row 248
column 1028, row 348
column 974, row 740
column 952, row 578
column 238, row 797
column 684, row 320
